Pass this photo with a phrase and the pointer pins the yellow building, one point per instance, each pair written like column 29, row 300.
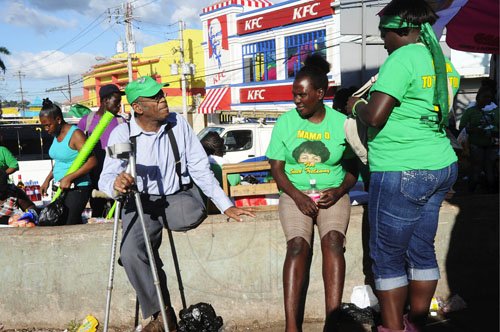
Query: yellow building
column 155, row 61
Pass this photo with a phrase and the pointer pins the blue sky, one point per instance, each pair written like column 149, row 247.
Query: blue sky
column 51, row 39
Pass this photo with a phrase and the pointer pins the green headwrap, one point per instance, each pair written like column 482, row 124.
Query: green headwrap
column 395, row 22
column 428, row 38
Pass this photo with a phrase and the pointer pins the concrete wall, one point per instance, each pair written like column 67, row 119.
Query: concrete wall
column 50, row 276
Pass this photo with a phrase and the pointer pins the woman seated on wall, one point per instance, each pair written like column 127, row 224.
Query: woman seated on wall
column 14, row 202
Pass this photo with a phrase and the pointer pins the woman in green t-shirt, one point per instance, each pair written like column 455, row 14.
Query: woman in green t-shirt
column 307, row 152
column 411, row 160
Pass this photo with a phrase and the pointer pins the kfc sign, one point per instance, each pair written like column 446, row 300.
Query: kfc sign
column 299, row 13
column 254, row 23
column 256, row 95
column 265, row 94
column 303, row 11
column 272, row 93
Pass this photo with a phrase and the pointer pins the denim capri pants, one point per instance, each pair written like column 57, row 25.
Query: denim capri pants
column 403, row 213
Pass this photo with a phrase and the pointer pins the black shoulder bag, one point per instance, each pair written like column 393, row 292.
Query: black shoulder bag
column 185, row 209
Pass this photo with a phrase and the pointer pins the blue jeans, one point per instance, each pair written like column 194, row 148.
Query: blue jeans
column 403, row 212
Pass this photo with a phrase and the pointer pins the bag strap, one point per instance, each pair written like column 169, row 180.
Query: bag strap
column 90, row 117
column 175, row 150
column 366, row 87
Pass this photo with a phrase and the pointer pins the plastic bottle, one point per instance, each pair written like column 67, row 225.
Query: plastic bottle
column 434, row 307
column 20, row 183
column 38, row 195
column 313, row 191
column 28, row 190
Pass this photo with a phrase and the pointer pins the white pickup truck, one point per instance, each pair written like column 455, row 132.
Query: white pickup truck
column 243, row 140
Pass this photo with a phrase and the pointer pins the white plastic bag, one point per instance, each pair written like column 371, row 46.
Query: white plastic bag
column 363, row 296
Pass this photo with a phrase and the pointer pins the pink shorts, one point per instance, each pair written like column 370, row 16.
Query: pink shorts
column 296, row 224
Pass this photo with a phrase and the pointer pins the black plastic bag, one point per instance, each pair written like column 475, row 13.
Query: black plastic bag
column 200, row 317
column 54, row 214
column 350, row 312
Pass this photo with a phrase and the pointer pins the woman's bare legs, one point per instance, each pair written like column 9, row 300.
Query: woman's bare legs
column 332, row 248
column 295, row 282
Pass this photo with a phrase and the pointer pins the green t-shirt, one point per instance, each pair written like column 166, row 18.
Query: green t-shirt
column 407, row 141
column 310, row 150
column 7, row 160
column 473, row 117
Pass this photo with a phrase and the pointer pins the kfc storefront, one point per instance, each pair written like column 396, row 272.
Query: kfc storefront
column 254, row 49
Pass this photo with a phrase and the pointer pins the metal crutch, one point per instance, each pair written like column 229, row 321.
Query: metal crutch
column 177, row 268
column 121, row 151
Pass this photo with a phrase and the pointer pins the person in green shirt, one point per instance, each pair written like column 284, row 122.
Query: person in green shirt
column 7, row 160
column 307, row 152
column 412, row 163
column 481, row 124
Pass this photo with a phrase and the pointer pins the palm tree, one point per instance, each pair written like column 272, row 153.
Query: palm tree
column 5, row 51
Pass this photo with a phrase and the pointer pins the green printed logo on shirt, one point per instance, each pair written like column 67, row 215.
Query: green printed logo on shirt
column 310, row 150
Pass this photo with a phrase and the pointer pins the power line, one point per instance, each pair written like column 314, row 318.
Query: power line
column 79, row 35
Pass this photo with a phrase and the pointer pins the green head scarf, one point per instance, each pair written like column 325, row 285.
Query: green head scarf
column 428, row 38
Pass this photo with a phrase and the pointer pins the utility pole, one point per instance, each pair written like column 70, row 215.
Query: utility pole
column 63, row 88
column 20, row 76
column 183, row 74
column 363, row 41
column 69, row 90
column 129, row 39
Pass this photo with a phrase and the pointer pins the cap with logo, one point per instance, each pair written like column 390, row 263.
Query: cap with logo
column 143, row 87
column 108, row 90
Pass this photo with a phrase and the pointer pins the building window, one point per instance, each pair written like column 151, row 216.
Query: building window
column 259, row 61
column 298, row 47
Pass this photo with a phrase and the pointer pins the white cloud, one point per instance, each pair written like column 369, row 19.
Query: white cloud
column 19, row 15
column 52, row 64
column 55, row 5
column 190, row 15
column 143, row 39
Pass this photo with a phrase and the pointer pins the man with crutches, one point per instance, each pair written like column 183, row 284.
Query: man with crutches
column 155, row 178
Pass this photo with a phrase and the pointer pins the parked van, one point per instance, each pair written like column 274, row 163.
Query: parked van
column 243, row 140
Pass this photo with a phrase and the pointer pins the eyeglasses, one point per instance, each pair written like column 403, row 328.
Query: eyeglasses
column 157, row 98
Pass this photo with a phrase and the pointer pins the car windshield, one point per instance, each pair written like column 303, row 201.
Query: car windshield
column 206, row 130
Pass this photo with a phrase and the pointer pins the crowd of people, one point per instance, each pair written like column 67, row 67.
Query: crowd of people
column 412, row 167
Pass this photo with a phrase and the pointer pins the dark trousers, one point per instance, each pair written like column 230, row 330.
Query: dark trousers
column 133, row 254
column 98, row 205
column 482, row 158
column 76, row 200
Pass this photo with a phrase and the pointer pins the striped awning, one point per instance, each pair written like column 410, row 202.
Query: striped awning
column 246, row 3
column 216, row 99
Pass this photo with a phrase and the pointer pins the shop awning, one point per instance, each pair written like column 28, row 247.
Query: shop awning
column 216, row 99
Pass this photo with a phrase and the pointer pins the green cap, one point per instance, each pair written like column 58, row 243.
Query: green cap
column 145, row 86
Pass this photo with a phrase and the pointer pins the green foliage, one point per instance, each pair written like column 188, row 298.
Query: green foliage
column 73, row 325
column 5, row 51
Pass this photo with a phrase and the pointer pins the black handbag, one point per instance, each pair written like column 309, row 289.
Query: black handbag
column 54, row 214
column 185, row 209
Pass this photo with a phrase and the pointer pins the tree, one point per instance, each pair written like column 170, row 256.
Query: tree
column 5, row 51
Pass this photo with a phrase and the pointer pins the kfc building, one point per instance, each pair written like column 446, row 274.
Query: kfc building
column 254, row 49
